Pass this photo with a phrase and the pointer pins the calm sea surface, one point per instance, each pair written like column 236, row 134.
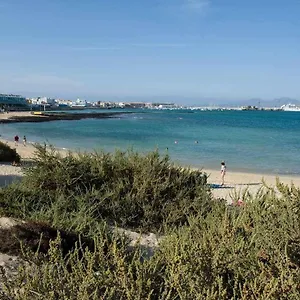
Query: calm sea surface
column 251, row 141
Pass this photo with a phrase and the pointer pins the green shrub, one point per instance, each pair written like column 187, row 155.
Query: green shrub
column 7, row 154
column 236, row 253
column 126, row 188
column 209, row 250
column 108, row 272
column 240, row 253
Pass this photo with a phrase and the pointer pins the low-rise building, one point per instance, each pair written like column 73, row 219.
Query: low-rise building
column 43, row 101
column 13, row 102
column 136, row 104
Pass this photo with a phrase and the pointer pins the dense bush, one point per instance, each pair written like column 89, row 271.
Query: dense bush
column 126, row 188
column 105, row 273
column 236, row 253
column 252, row 253
column 7, row 154
column 218, row 252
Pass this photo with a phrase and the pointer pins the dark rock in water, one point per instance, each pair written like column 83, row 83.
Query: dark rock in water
column 46, row 117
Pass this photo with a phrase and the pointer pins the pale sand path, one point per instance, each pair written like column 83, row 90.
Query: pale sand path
column 237, row 181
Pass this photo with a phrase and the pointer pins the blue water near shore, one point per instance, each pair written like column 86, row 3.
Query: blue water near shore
column 250, row 141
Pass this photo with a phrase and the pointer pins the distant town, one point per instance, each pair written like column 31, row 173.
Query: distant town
column 9, row 102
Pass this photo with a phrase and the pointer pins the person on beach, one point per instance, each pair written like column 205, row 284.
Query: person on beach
column 24, row 140
column 16, row 140
column 223, row 172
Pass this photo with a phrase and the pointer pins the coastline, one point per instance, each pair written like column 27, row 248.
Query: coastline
column 235, row 182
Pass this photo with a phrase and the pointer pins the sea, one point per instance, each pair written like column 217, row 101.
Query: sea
column 266, row 142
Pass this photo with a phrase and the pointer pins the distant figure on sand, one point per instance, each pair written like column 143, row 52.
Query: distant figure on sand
column 223, row 171
column 24, row 140
column 16, row 140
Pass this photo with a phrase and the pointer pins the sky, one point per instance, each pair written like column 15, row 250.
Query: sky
column 188, row 50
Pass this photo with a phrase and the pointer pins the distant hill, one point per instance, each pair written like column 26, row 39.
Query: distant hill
column 264, row 103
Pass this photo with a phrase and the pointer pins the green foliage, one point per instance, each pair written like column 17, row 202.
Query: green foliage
column 209, row 250
column 252, row 253
column 105, row 273
column 7, row 154
column 233, row 253
column 129, row 189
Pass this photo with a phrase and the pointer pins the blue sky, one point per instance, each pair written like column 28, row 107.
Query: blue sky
column 191, row 50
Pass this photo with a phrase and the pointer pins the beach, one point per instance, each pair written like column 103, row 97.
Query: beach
column 5, row 116
column 9, row 173
column 235, row 182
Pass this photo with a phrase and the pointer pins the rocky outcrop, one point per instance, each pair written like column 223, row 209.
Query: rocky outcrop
column 46, row 117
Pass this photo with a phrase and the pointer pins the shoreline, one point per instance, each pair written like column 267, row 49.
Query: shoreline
column 235, row 182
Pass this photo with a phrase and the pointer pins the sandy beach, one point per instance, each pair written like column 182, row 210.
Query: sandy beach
column 26, row 152
column 9, row 173
column 5, row 116
column 235, row 182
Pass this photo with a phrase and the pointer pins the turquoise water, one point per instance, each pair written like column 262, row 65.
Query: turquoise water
column 251, row 141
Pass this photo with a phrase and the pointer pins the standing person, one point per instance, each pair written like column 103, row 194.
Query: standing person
column 223, row 171
column 16, row 140
column 24, row 140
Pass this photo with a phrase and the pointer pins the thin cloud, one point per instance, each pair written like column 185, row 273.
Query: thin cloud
column 39, row 84
column 94, row 48
column 163, row 45
column 198, row 6
column 46, row 80
column 128, row 46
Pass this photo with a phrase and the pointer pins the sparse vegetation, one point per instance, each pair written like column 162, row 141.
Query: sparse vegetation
column 209, row 250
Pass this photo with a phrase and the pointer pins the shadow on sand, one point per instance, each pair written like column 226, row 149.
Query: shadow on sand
column 253, row 183
column 219, row 186
column 9, row 179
